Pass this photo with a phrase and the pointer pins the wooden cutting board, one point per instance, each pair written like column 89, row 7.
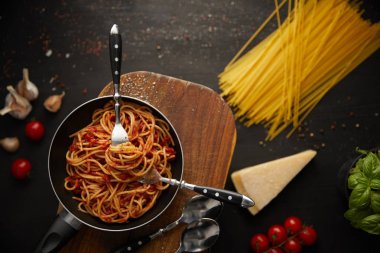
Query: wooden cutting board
column 206, row 128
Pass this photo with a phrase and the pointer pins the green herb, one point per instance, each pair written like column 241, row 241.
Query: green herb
column 375, row 184
column 364, row 200
column 360, row 196
column 375, row 202
column 371, row 224
column 356, row 215
column 354, row 180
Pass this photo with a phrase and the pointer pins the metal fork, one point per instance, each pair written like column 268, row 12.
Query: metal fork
column 119, row 135
column 154, row 177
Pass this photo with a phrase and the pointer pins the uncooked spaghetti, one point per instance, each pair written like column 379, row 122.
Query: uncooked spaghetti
column 104, row 178
column 278, row 82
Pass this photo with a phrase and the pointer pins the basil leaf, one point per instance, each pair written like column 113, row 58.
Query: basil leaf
column 375, row 202
column 355, row 215
column 355, row 170
column 358, row 165
column 364, row 180
column 375, row 184
column 371, row 165
column 360, row 196
column 355, row 179
column 376, row 169
column 371, row 224
column 361, row 151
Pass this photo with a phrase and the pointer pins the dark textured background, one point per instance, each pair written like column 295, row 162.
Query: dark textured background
column 192, row 40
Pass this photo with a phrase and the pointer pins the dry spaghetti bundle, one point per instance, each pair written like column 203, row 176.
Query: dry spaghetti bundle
column 278, row 82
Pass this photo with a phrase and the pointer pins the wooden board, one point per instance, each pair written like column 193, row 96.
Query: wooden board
column 206, row 129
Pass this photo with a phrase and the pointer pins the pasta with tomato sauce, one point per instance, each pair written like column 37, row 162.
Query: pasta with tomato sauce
column 104, row 178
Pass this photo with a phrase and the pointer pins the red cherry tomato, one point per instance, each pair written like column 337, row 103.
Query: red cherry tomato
column 259, row 243
column 292, row 246
column 277, row 234
column 293, row 225
column 34, row 130
column 21, row 168
column 308, row 236
column 275, row 250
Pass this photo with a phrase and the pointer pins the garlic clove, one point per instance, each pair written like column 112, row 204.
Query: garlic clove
column 53, row 103
column 26, row 88
column 16, row 105
column 10, row 144
column 5, row 110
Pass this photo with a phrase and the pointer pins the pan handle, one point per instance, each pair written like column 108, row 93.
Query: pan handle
column 63, row 228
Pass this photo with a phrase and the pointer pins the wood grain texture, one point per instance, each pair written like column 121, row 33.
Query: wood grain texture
column 206, row 129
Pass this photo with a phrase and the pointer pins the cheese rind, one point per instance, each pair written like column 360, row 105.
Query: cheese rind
column 263, row 182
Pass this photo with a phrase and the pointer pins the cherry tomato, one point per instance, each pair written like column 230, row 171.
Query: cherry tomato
column 292, row 246
column 34, row 130
column 21, row 168
column 293, row 225
column 277, row 234
column 259, row 243
column 308, row 236
column 275, row 250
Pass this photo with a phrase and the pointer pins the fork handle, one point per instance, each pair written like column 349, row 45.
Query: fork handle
column 115, row 45
column 225, row 196
column 214, row 193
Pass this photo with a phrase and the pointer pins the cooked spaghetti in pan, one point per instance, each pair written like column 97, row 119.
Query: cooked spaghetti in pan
column 104, row 178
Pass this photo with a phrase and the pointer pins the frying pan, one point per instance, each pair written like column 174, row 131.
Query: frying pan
column 71, row 219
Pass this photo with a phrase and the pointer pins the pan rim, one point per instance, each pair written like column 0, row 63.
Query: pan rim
column 132, row 100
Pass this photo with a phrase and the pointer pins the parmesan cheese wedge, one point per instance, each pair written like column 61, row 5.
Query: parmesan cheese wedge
column 263, row 182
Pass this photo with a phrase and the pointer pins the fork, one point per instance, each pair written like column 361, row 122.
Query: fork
column 119, row 135
column 154, row 177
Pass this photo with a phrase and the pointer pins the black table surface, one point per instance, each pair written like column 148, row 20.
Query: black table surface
column 65, row 46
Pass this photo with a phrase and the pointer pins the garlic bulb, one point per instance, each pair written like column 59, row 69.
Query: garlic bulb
column 16, row 105
column 26, row 88
column 10, row 144
column 53, row 103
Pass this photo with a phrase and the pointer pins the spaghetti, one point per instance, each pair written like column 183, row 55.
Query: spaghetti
column 278, row 82
column 104, row 178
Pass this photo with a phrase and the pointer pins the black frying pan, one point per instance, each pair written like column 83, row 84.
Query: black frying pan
column 69, row 221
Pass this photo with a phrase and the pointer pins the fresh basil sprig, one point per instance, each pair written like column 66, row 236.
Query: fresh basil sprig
column 364, row 200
